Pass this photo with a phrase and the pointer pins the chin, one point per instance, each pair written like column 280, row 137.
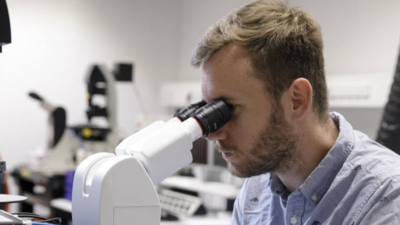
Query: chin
column 236, row 172
column 245, row 172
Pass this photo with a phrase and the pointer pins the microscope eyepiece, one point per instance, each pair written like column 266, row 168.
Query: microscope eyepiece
column 186, row 113
column 213, row 116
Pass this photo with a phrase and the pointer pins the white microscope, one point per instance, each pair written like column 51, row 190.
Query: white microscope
column 119, row 189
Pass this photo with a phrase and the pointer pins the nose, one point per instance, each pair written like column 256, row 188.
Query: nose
column 218, row 135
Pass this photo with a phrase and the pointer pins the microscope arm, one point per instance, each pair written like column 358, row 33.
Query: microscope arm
column 111, row 189
column 114, row 190
column 119, row 189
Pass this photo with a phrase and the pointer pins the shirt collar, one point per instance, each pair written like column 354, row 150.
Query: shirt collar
column 277, row 187
column 318, row 182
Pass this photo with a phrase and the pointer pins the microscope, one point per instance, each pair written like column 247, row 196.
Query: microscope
column 101, row 85
column 120, row 189
column 62, row 144
column 69, row 145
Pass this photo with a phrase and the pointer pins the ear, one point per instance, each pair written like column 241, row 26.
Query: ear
column 300, row 94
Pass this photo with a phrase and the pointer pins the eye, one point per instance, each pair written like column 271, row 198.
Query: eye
column 232, row 107
column 234, row 112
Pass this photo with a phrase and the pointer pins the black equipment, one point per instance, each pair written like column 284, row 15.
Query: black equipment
column 389, row 131
column 5, row 29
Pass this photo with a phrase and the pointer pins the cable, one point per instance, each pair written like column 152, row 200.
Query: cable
column 139, row 98
column 30, row 215
column 56, row 220
column 40, row 223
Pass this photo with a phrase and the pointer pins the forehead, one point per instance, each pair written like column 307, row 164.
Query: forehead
column 228, row 74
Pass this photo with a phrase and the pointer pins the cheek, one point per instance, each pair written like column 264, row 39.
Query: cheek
column 241, row 134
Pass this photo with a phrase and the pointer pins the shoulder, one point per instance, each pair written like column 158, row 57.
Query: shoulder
column 384, row 205
column 376, row 173
column 375, row 159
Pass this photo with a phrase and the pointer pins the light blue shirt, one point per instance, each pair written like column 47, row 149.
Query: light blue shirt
column 358, row 182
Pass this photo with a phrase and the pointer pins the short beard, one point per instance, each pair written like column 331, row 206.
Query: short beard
column 273, row 151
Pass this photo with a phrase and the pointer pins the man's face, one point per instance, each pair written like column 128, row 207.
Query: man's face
column 257, row 139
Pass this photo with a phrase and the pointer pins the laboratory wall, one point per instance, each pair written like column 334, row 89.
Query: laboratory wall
column 53, row 45
column 360, row 36
column 55, row 42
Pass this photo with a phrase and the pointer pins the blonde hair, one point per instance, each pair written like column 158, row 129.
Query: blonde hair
column 283, row 44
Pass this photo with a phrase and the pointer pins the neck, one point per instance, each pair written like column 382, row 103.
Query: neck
column 314, row 143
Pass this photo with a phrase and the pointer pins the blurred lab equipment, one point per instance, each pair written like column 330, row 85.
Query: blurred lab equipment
column 119, row 189
column 5, row 217
column 69, row 145
column 100, row 134
column 389, row 131
column 5, row 28
column 61, row 143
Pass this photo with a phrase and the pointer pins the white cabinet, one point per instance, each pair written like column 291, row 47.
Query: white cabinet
column 359, row 90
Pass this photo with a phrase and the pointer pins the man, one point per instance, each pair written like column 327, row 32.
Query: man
column 302, row 164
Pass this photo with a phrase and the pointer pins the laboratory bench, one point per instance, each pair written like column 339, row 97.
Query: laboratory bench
column 38, row 187
column 48, row 191
column 65, row 206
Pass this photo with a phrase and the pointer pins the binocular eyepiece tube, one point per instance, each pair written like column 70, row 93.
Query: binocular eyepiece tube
column 210, row 116
column 188, row 112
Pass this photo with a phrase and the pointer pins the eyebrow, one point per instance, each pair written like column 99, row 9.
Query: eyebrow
column 223, row 98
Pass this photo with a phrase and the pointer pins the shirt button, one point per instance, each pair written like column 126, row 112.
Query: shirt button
column 314, row 197
column 293, row 220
